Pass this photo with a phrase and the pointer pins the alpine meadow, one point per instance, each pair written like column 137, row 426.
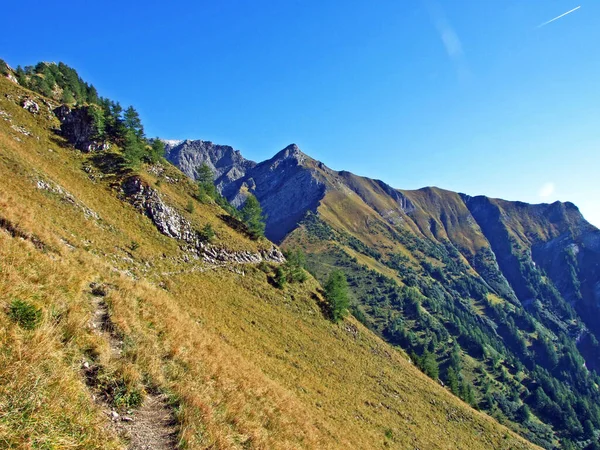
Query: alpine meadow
column 173, row 294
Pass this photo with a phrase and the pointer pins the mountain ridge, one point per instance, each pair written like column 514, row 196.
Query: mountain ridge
column 493, row 300
column 526, row 276
column 106, row 310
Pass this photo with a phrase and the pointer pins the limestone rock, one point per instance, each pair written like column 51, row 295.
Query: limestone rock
column 30, row 105
column 171, row 223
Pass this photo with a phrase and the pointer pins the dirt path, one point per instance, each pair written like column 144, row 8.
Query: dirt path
column 150, row 427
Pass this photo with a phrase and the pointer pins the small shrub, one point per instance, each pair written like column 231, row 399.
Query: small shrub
column 127, row 398
column 207, row 233
column 280, row 278
column 263, row 266
column 118, row 391
column 134, row 245
column 25, row 314
column 190, row 206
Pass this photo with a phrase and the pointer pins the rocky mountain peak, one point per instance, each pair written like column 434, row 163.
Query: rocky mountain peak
column 227, row 163
column 291, row 155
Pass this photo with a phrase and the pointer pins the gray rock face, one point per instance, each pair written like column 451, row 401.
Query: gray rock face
column 12, row 78
column 171, row 223
column 168, row 221
column 31, row 106
column 77, row 126
column 227, row 164
column 287, row 185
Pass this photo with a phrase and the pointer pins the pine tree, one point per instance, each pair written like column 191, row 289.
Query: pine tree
column 295, row 266
column 206, row 182
column 452, row 380
column 252, row 216
column 336, row 293
column 67, row 97
column 133, row 123
column 99, row 123
column 133, row 151
column 430, row 365
column 157, row 151
column 280, row 278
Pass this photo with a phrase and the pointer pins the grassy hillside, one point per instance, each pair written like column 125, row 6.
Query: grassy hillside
column 101, row 313
column 492, row 291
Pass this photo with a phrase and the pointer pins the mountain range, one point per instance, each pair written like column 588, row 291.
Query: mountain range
column 139, row 309
column 506, row 281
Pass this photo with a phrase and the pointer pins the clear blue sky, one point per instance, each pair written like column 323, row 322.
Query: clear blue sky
column 468, row 95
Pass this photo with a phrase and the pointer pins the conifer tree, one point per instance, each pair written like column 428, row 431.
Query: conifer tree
column 252, row 216
column 336, row 293
column 206, row 182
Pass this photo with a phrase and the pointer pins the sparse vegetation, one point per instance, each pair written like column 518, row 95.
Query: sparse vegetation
column 25, row 314
column 207, row 233
column 190, row 207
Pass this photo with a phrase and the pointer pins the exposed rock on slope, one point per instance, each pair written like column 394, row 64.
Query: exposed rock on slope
column 78, row 127
column 288, row 186
column 171, row 223
column 227, row 163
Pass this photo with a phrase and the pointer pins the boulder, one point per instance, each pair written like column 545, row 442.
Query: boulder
column 30, row 105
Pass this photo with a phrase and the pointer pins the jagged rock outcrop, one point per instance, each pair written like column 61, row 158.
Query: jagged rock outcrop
column 168, row 221
column 77, row 125
column 227, row 164
column 288, row 186
column 171, row 223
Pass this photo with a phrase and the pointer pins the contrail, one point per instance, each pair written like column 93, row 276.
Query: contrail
column 556, row 18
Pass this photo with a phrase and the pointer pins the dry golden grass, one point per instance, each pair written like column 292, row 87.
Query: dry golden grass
column 246, row 365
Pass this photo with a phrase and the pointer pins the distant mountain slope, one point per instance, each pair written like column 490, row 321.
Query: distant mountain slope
column 505, row 294
column 116, row 315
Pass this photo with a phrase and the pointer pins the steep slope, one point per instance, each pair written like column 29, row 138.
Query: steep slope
column 110, row 303
column 503, row 294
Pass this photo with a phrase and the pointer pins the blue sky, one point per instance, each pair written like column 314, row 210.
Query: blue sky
column 468, row 95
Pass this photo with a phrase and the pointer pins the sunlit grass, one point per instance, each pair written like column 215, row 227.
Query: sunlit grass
column 246, row 365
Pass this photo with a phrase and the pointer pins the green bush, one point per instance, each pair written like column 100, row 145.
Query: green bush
column 264, row 266
column 190, row 206
column 207, row 233
column 127, row 398
column 25, row 314
column 295, row 266
column 280, row 278
column 118, row 391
